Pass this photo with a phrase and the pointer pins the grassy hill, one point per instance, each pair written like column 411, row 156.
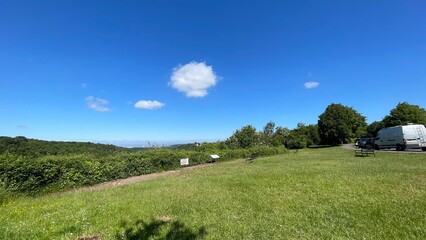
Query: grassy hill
column 34, row 147
column 315, row 193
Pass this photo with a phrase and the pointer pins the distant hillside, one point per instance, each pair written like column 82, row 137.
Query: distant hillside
column 33, row 147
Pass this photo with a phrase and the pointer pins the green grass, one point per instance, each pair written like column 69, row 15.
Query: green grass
column 315, row 193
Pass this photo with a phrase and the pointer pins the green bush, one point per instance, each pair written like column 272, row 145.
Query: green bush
column 234, row 154
column 197, row 158
column 164, row 159
column 60, row 172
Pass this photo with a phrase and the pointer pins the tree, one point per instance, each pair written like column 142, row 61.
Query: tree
column 296, row 140
column 374, row 128
column 362, row 132
column 310, row 132
column 246, row 137
column 405, row 113
column 338, row 124
column 268, row 133
column 280, row 136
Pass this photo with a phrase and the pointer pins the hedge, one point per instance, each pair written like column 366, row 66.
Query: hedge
column 61, row 172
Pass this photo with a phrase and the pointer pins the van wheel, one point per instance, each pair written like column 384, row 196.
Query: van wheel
column 398, row 147
column 423, row 148
column 376, row 147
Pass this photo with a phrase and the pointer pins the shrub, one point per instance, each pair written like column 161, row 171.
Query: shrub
column 58, row 172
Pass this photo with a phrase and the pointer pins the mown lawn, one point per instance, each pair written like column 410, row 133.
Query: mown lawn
column 316, row 193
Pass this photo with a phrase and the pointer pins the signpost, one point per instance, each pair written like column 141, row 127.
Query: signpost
column 214, row 157
column 184, row 161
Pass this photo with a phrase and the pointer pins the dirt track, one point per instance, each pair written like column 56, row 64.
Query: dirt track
column 135, row 179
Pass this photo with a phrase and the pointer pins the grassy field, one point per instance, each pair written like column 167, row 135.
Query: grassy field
column 316, row 193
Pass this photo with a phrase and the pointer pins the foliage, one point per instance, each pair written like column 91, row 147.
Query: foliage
column 246, row 137
column 266, row 136
column 374, row 128
column 362, row 132
column 302, row 136
column 32, row 147
column 310, row 132
column 338, row 124
column 280, row 136
column 59, row 172
column 405, row 113
column 201, row 147
column 296, row 140
column 50, row 173
column 34, row 166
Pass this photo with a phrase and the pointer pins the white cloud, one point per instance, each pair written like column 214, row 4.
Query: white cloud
column 97, row 104
column 83, row 85
column 193, row 79
column 144, row 104
column 311, row 84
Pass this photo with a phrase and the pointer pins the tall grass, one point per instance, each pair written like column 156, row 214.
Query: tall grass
column 319, row 193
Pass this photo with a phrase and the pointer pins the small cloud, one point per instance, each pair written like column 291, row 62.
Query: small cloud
column 311, row 84
column 83, row 85
column 97, row 104
column 193, row 79
column 21, row 126
column 143, row 104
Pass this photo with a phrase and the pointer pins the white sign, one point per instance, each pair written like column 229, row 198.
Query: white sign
column 184, row 161
column 214, row 156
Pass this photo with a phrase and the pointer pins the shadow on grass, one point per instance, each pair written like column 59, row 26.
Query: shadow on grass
column 158, row 229
column 322, row 146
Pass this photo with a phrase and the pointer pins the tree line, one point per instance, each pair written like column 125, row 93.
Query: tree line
column 336, row 125
column 32, row 147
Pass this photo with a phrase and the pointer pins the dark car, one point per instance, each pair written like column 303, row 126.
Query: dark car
column 364, row 142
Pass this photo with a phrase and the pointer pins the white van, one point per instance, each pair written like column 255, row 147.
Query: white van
column 401, row 137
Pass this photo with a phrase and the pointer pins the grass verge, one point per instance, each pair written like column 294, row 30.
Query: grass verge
column 314, row 193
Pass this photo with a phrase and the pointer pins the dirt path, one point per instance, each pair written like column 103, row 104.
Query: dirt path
column 349, row 146
column 136, row 179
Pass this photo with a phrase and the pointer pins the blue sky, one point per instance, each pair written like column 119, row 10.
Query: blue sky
column 129, row 72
